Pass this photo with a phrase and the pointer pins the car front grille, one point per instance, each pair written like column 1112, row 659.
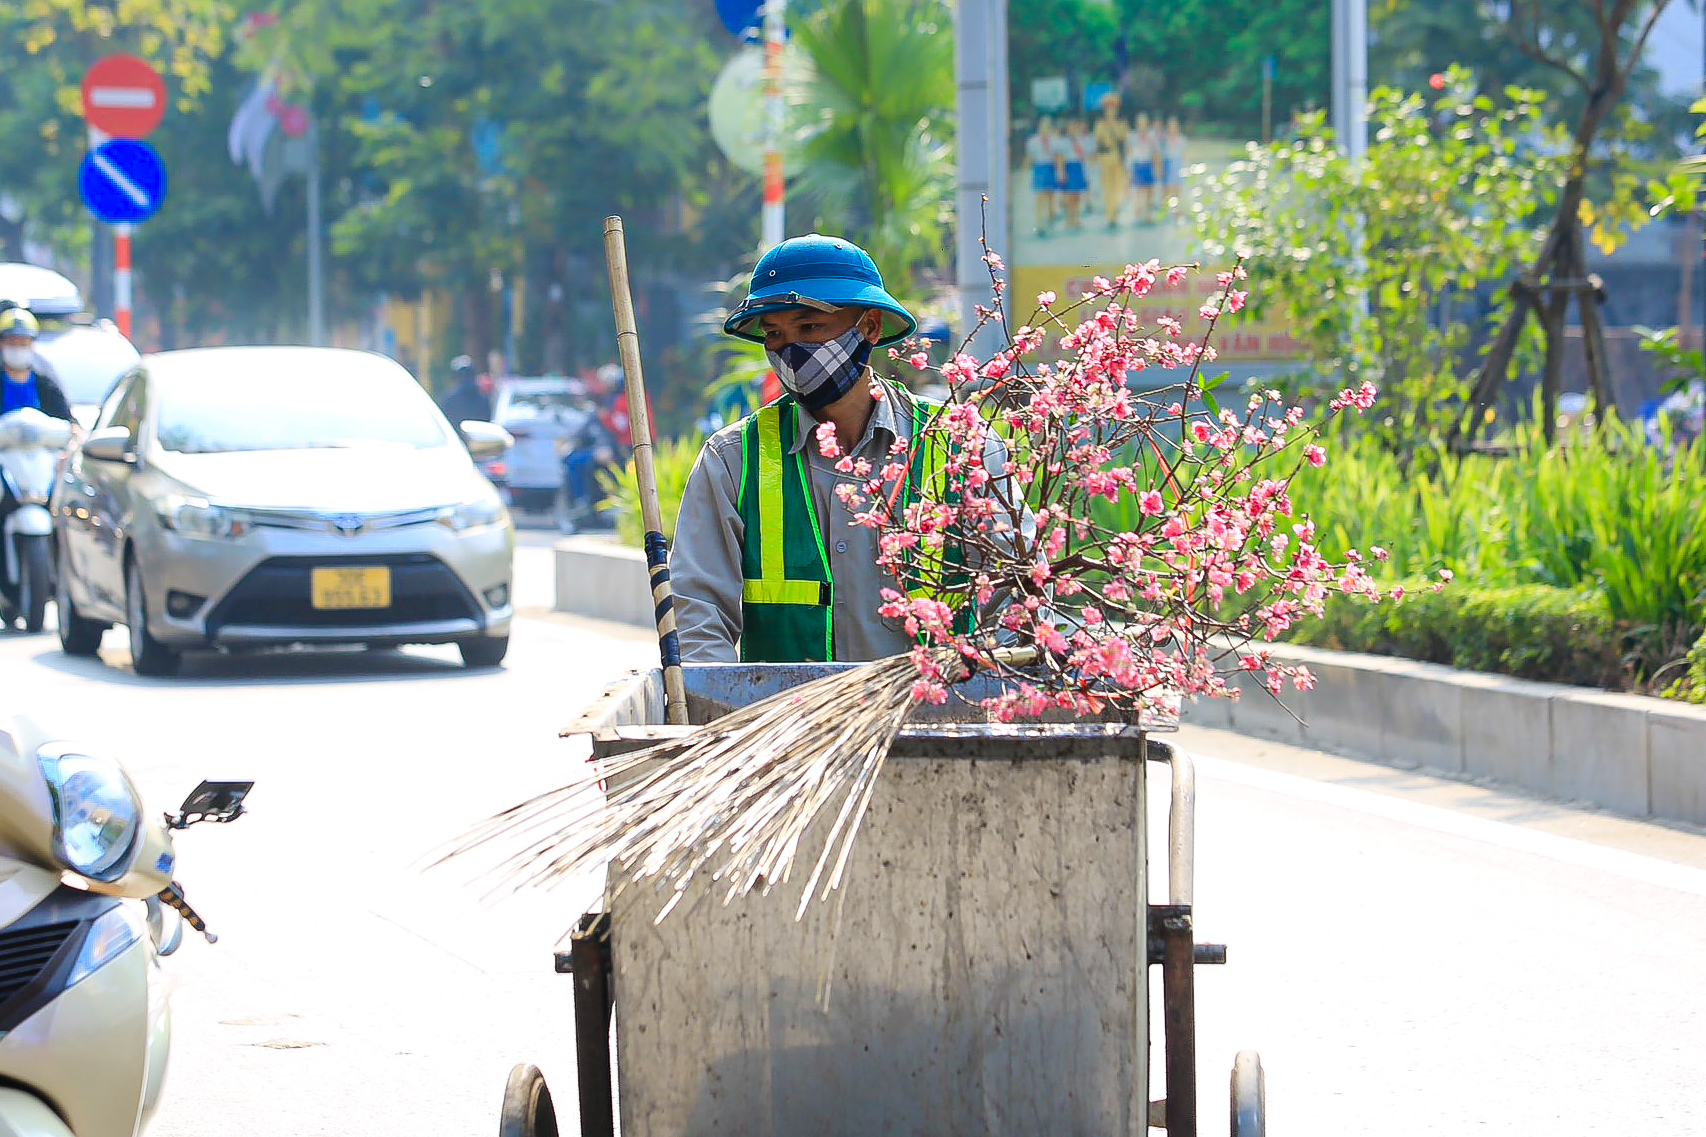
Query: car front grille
column 25, row 952
column 277, row 593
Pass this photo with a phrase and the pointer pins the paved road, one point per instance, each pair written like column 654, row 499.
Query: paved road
column 1410, row 955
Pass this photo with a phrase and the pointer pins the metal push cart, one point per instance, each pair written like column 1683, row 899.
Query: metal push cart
column 983, row 970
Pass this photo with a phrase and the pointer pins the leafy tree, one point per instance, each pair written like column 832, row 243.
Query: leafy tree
column 53, row 43
column 1410, row 41
column 1358, row 259
column 1600, row 64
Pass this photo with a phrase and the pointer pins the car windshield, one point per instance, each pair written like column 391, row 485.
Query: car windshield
column 540, row 403
column 210, row 405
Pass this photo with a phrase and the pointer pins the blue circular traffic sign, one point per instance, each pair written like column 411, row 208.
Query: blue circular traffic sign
column 122, row 181
column 741, row 17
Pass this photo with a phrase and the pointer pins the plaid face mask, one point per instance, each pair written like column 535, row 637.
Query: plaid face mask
column 817, row 374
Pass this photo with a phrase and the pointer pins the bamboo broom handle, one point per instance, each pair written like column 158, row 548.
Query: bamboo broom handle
column 639, row 421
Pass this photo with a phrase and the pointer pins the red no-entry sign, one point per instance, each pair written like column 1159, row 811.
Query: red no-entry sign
column 123, row 96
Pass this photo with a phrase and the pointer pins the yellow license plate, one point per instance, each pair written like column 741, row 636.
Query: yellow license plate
column 363, row 587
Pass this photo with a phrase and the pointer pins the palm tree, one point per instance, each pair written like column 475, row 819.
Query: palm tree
column 877, row 139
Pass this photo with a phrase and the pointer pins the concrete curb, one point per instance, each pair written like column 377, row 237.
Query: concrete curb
column 1636, row 755
column 597, row 577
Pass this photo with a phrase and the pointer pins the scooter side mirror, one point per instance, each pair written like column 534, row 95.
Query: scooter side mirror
column 212, row 801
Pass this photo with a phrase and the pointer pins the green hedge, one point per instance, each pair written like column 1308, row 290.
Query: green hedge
column 1692, row 686
column 1532, row 631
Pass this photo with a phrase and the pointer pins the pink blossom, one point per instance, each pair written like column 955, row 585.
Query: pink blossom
column 1314, row 455
column 1208, row 311
column 827, row 445
column 1223, row 533
column 1044, row 299
column 994, row 261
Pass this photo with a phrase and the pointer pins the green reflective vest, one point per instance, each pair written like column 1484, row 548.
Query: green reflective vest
column 788, row 592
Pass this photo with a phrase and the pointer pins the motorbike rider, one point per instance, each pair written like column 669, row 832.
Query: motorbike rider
column 23, row 380
column 466, row 399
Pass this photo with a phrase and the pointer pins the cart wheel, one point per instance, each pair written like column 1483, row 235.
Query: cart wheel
column 1249, row 1096
column 527, row 1110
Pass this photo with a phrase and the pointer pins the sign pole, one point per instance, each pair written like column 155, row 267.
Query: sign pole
column 122, row 180
column 121, row 277
column 980, row 65
column 775, row 32
column 316, row 270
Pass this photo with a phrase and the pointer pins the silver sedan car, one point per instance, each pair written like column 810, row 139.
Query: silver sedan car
column 261, row 496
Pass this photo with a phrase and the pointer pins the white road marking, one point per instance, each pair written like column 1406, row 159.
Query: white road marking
column 1585, row 854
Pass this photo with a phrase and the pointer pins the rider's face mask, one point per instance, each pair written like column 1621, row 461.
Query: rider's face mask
column 17, row 356
column 818, row 374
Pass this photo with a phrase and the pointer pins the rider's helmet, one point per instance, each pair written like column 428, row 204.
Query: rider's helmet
column 819, row 272
column 17, row 322
column 462, row 367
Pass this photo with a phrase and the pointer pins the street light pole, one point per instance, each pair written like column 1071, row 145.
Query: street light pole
column 316, row 269
column 775, row 35
column 1350, row 75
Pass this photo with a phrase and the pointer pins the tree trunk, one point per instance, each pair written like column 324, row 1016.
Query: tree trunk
column 477, row 323
column 1563, row 245
column 1552, row 323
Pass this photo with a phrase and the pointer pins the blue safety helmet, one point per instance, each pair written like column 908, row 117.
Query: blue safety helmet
column 819, row 272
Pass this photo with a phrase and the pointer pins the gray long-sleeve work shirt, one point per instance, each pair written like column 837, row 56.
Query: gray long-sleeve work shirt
column 705, row 563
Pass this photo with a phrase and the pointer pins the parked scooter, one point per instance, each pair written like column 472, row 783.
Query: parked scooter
column 30, row 445
column 87, row 906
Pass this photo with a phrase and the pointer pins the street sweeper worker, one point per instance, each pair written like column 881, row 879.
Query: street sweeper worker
column 768, row 565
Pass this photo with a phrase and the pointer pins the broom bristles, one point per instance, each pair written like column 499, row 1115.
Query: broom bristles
column 735, row 799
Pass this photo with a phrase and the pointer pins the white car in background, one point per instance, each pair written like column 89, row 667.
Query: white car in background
column 542, row 414
column 85, row 356
column 248, row 497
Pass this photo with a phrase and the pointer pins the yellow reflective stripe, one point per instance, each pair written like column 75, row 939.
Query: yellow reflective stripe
column 770, row 563
column 783, row 592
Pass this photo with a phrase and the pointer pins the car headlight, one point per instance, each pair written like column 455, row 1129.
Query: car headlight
column 113, row 932
column 200, row 518
column 96, row 814
column 487, row 509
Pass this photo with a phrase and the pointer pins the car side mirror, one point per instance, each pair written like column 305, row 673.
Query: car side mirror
column 485, row 440
column 109, row 444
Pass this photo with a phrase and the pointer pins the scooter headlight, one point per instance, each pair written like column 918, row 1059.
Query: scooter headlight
column 96, row 814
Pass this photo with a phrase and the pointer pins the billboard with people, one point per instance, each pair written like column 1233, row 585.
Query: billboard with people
column 1117, row 107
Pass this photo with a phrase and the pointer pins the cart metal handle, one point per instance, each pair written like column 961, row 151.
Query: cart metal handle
column 1181, row 820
